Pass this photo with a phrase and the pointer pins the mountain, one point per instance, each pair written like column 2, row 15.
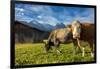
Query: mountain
column 43, row 26
column 60, row 25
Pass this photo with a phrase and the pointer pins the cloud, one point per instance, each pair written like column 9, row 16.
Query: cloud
column 39, row 17
column 47, row 19
column 20, row 16
column 86, row 16
column 53, row 14
column 81, row 14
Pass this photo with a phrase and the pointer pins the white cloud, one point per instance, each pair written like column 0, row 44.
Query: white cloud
column 51, row 20
column 39, row 17
column 88, row 16
column 47, row 19
column 19, row 9
column 19, row 15
column 46, row 15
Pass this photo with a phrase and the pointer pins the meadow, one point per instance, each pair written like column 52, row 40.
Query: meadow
column 32, row 54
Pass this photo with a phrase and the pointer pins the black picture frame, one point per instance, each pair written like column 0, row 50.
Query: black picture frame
column 12, row 37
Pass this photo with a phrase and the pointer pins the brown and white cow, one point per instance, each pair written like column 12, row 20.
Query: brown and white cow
column 85, row 32
column 76, row 31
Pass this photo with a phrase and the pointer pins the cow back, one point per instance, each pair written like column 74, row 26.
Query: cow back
column 87, row 31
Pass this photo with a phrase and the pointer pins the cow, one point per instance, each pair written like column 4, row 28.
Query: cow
column 58, row 36
column 85, row 32
column 76, row 31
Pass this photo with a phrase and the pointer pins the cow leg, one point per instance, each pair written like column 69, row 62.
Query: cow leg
column 47, row 47
column 75, row 46
column 57, row 47
column 81, row 48
column 91, row 47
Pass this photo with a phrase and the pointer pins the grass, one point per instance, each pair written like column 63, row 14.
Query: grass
column 27, row 54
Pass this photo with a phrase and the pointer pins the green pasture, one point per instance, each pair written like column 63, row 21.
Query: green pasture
column 27, row 54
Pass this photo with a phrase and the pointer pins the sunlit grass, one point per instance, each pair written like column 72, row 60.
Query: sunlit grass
column 27, row 54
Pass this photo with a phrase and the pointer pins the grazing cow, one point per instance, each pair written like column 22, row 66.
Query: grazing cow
column 58, row 36
column 85, row 32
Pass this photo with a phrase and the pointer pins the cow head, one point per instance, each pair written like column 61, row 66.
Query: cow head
column 46, row 44
column 76, row 29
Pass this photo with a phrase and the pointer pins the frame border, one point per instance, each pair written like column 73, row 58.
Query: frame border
column 12, row 37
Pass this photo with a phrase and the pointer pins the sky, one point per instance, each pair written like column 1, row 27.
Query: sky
column 52, row 14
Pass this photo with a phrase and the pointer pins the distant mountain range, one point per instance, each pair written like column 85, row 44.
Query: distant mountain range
column 43, row 26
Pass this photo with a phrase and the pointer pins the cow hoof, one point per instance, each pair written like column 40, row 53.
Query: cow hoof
column 83, row 52
column 92, row 55
column 82, row 55
column 58, row 52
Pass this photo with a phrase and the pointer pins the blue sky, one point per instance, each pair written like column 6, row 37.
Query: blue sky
column 53, row 14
